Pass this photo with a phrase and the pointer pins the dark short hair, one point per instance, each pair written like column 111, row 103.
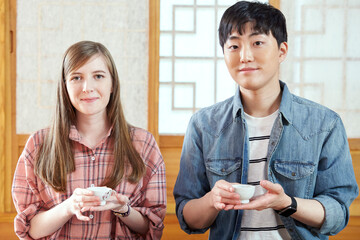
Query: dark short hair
column 265, row 19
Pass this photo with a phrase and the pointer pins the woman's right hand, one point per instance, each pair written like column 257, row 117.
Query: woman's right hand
column 81, row 198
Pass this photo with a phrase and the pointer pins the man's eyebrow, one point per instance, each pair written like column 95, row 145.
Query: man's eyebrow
column 256, row 33
column 232, row 37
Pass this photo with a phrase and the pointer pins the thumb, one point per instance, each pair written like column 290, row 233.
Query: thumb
column 272, row 187
column 122, row 199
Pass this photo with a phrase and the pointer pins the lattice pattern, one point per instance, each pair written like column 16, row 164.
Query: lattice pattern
column 193, row 74
column 324, row 59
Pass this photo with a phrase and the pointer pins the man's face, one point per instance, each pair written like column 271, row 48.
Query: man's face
column 253, row 59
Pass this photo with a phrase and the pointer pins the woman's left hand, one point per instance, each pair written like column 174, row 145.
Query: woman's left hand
column 115, row 202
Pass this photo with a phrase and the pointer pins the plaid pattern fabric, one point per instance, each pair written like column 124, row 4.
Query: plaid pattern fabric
column 148, row 196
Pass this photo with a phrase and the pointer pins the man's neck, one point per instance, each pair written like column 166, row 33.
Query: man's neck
column 261, row 103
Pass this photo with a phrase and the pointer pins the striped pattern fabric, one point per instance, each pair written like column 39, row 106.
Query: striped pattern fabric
column 148, row 196
column 265, row 224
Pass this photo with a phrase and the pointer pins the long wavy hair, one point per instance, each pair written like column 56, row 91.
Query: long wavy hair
column 55, row 158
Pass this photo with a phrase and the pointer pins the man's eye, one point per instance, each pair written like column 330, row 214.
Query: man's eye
column 233, row 47
column 258, row 43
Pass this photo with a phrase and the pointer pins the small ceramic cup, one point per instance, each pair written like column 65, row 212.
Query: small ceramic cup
column 245, row 191
column 102, row 192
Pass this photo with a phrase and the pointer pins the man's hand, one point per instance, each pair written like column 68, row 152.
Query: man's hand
column 275, row 198
column 223, row 196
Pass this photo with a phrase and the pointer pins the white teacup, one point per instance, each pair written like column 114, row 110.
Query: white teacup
column 102, row 192
column 245, row 191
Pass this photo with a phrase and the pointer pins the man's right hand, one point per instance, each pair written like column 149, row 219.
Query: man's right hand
column 223, row 197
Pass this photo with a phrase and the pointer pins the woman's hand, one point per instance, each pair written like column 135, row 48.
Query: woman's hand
column 81, row 199
column 115, row 202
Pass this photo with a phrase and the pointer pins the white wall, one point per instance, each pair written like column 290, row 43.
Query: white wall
column 46, row 28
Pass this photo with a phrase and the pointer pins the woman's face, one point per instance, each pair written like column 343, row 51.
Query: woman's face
column 89, row 87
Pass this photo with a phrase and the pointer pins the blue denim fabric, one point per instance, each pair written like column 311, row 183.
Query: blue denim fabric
column 308, row 155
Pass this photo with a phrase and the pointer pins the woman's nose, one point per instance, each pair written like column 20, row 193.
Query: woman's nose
column 87, row 86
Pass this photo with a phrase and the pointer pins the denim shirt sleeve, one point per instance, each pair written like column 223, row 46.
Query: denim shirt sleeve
column 336, row 186
column 191, row 182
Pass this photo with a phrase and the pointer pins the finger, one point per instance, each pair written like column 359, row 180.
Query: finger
column 82, row 198
column 271, row 186
column 229, row 207
column 255, row 204
column 219, row 206
column 232, row 201
column 98, row 208
column 81, row 217
column 82, row 191
column 90, row 204
column 222, row 184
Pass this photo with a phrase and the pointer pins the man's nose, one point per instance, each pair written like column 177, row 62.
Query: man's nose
column 246, row 54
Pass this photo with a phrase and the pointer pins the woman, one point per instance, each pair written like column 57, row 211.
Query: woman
column 89, row 143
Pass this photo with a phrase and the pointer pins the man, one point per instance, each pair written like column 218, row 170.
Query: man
column 293, row 150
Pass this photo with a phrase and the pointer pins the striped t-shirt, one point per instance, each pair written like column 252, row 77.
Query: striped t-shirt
column 265, row 224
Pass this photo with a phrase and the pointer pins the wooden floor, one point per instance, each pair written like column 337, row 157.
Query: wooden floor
column 172, row 231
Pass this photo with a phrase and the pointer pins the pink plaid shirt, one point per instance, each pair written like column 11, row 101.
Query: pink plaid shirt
column 148, row 196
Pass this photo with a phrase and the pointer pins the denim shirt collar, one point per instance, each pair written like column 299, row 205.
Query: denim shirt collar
column 285, row 105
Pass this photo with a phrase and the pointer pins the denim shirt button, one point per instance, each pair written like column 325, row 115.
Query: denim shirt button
column 223, row 169
column 272, row 143
column 293, row 174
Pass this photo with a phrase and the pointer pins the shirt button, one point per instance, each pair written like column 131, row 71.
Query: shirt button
column 223, row 170
column 293, row 174
column 91, row 216
column 93, row 158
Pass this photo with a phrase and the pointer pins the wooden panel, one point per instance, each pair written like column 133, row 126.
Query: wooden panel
column 275, row 3
column 2, row 102
column 172, row 230
column 7, row 100
column 171, row 141
column 171, row 157
column 355, row 206
column 153, row 82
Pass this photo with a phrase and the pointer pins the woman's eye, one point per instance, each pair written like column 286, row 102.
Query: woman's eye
column 76, row 78
column 99, row 76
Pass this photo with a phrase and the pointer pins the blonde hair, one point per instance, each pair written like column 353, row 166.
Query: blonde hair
column 55, row 158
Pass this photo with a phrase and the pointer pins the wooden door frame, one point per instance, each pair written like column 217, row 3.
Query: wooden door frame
column 8, row 144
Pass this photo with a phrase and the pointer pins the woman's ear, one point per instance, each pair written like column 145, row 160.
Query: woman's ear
column 283, row 49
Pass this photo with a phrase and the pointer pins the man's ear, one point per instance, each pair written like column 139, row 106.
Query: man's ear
column 283, row 49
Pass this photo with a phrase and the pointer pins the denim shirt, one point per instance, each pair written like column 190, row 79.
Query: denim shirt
column 308, row 155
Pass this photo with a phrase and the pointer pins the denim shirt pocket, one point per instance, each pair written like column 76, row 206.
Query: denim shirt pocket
column 294, row 175
column 223, row 168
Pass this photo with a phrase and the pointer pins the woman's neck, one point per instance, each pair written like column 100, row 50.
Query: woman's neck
column 92, row 128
